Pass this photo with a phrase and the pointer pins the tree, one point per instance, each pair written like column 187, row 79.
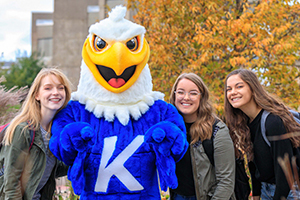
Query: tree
column 23, row 71
column 214, row 37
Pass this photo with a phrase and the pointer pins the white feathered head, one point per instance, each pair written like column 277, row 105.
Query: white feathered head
column 115, row 79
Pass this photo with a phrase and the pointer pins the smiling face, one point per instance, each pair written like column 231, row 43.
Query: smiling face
column 51, row 94
column 186, row 105
column 239, row 93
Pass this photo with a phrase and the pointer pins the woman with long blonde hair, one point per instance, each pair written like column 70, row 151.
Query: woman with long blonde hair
column 28, row 169
column 245, row 102
column 197, row 177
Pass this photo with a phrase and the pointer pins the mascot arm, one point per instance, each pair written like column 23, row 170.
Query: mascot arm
column 71, row 141
column 69, row 138
column 168, row 140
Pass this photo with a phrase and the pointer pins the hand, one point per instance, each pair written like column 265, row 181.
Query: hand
column 169, row 144
column 77, row 136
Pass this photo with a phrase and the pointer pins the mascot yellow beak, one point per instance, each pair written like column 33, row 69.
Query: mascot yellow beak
column 116, row 65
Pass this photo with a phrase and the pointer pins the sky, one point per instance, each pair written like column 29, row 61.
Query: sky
column 15, row 25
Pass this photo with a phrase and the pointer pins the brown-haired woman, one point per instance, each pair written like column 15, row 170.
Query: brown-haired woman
column 245, row 101
column 197, row 177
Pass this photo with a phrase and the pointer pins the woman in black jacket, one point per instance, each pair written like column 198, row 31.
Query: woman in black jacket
column 245, row 101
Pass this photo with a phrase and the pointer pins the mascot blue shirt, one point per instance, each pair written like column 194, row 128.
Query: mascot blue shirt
column 117, row 135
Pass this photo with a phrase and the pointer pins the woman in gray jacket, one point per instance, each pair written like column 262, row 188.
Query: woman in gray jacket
column 198, row 178
column 28, row 170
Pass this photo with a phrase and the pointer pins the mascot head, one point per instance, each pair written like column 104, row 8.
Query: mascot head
column 116, row 51
column 115, row 80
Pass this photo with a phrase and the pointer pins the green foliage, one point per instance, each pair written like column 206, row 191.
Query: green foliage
column 214, row 37
column 23, row 72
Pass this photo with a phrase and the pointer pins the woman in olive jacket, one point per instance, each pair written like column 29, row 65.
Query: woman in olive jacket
column 28, row 170
column 198, row 178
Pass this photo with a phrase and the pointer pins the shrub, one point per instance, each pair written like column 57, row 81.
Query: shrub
column 10, row 101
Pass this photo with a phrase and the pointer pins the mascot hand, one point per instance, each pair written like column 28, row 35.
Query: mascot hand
column 77, row 136
column 169, row 144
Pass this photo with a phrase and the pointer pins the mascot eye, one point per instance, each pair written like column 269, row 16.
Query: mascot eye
column 132, row 44
column 99, row 44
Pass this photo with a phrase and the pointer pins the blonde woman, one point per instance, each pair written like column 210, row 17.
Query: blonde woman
column 29, row 171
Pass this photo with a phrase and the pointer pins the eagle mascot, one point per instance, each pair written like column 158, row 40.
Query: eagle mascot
column 120, row 139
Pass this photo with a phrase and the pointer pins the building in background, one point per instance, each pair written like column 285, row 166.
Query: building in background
column 58, row 37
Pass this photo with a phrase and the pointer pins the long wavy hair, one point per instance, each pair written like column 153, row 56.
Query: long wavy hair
column 31, row 109
column 202, row 127
column 237, row 120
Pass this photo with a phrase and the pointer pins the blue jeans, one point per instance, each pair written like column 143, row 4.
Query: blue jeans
column 180, row 197
column 268, row 190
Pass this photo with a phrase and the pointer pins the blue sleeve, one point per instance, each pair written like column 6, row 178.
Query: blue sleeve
column 167, row 138
column 172, row 115
column 62, row 119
